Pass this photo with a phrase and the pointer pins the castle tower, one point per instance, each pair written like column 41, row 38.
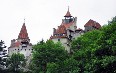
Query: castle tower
column 65, row 32
column 23, row 36
column 23, row 33
column 21, row 44
column 68, row 17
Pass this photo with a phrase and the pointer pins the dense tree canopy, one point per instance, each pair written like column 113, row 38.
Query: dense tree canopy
column 96, row 50
column 47, row 52
column 16, row 63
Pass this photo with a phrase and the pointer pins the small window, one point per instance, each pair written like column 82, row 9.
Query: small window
column 15, row 49
column 18, row 49
column 58, row 39
column 25, row 49
column 61, row 34
column 29, row 49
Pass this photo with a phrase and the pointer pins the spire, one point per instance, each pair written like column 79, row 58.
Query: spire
column 68, row 13
column 24, row 20
column 23, row 33
column 68, row 8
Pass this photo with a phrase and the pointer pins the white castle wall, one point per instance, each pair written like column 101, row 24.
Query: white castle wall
column 64, row 42
column 25, row 50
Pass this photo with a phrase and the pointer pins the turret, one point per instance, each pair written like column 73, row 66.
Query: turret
column 23, row 35
column 68, row 17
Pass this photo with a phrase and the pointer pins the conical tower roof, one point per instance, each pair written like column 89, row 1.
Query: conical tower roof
column 68, row 13
column 23, row 33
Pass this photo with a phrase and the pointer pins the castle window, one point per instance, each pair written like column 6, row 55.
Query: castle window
column 24, row 45
column 29, row 49
column 15, row 49
column 70, row 37
column 25, row 49
column 61, row 34
column 18, row 49
column 58, row 39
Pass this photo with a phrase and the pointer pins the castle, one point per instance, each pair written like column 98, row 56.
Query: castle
column 21, row 44
column 65, row 33
column 68, row 30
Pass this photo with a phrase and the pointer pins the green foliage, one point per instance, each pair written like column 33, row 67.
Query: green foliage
column 112, row 21
column 47, row 52
column 2, row 55
column 16, row 62
column 95, row 51
column 68, row 66
column 86, row 41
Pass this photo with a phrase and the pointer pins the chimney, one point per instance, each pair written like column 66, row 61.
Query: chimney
column 54, row 30
column 75, row 27
column 12, row 42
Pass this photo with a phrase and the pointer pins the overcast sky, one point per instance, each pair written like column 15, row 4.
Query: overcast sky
column 41, row 16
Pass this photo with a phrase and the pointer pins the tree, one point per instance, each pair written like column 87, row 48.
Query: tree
column 86, row 41
column 95, row 51
column 16, row 62
column 3, row 56
column 106, row 52
column 47, row 52
column 67, row 66
column 113, row 20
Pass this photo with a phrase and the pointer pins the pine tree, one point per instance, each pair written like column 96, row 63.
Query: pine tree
column 3, row 55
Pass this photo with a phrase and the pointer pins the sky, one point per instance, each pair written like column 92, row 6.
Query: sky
column 41, row 16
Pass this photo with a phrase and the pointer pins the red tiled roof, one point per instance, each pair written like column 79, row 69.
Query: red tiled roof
column 61, row 29
column 52, row 37
column 68, row 25
column 23, row 33
column 68, row 14
column 17, row 44
column 92, row 23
